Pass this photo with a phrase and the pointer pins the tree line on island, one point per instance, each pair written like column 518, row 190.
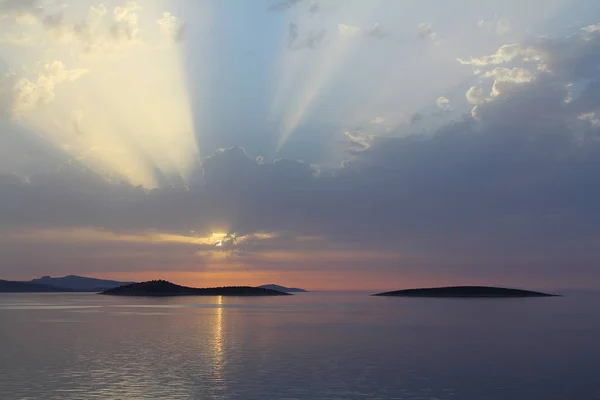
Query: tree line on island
column 162, row 288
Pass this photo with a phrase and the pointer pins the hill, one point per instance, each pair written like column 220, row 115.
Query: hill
column 283, row 288
column 465, row 292
column 79, row 283
column 27, row 287
column 161, row 288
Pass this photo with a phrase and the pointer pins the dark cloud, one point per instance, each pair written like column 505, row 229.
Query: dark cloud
column 312, row 39
column 518, row 186
column 416, row 118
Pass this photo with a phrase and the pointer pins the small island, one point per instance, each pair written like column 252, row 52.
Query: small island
column 466, row 292
column 280, row 288
column 28, row 287
column 161, row 288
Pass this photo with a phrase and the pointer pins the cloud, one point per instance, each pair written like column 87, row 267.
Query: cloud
column 499, row 27
column 592, row 28
column 443, row 103
column 377, row 32
column 475, row 95
column 378, row 120
column 505, row 54
column 311, row 41
column 415, row 118
column 591, row 117
column 21, row 95
column 514, row 75
column 348, row 30
column 61, row 30
column 125, row 27
column 358, row 140
column 25, row 12
column 172, row 27
column 571, row 59
column 426, row 31
column 283, row 5
column 100, row 35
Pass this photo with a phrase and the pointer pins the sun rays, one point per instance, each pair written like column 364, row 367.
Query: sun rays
column 127, row 89
column 108, row 88
column 307, row 65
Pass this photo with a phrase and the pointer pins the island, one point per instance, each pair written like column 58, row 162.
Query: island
column 27, row 287
column 465, row 292
column 79, row 283
column 161, row 288
column 280, row 288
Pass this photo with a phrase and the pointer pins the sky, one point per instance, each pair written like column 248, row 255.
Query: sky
column 326, row 144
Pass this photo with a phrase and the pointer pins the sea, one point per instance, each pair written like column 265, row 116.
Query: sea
column 309, row 346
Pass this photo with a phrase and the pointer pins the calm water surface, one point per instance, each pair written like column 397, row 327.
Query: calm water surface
column 309, row 346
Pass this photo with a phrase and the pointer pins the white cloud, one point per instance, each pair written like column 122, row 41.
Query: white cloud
column 378, row 120
column 376, row 31
column 443, row 103
column 172, row 27
column 505, row 54
column 511, row 75
column 359, row 139
column 475, row 95
column 426, row 31
column 20, row 95
column 590, row 117
column 592, row 28
column 348, row 30
column 125, row 27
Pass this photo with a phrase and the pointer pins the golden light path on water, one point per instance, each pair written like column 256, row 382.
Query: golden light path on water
column 218, row 341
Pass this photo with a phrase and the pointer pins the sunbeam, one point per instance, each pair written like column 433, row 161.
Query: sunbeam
column 108, row 89
column 310, row 59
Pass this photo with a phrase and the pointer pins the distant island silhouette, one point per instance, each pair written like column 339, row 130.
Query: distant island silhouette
column 161, row 288
column 80, row 283
column 280, row 288
column 70, row 283
column 465, row 292
column 28, row 287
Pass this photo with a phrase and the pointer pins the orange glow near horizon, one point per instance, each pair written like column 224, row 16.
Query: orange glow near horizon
column 312, row 281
